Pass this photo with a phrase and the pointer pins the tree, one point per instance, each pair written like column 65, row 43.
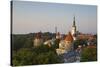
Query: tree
column 36, row 55
column 79, row 42
column 28, row 43
column 23, row 57
column 89, row 54
column 56, row 44
column 18, row 41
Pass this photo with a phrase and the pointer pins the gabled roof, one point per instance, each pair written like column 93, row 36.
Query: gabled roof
column 69, row 37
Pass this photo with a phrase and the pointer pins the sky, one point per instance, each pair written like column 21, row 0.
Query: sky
column 32, row 17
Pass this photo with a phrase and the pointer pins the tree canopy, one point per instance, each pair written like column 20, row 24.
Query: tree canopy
column 89, row 54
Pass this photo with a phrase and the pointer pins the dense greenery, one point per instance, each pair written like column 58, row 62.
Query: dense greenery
column 80, row 42
column 20, row 41
column 89, row 54
column 24, row 53
column 38, row 55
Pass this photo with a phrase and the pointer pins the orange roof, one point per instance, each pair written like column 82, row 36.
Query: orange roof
column 69, row 37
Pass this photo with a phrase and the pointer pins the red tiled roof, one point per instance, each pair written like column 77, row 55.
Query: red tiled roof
column 69, row 37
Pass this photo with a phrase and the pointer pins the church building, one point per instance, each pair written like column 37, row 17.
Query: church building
column 67, row 44
column 73, row 31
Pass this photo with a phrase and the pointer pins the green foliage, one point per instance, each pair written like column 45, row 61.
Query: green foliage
column 24, row 53
column 56, row 45
column 21, row 41
column 23, row 56
column 89, row 54
column 28, row 43
column 18, row 41
column 36, row 55
column 79, row 42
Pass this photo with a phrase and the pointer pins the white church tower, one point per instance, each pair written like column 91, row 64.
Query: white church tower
column 73, row 31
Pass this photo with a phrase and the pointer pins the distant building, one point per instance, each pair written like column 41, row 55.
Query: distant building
column 85, row 36
column 58, row 36
column 38, row 40
column 49, row 42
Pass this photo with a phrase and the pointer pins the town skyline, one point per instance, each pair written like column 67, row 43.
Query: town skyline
column 30, row 17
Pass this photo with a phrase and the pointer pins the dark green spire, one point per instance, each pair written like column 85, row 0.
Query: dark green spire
column 74, row 21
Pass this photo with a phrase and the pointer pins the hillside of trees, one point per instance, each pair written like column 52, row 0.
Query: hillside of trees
column 24, row 53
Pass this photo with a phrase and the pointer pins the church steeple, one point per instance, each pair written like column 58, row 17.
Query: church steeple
column 74, row 21
column 74, row 29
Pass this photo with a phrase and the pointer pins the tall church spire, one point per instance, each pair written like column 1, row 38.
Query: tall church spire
column 74, row 29
column 74, row 21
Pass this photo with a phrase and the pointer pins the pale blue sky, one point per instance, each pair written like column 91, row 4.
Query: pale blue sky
column 30, row 17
